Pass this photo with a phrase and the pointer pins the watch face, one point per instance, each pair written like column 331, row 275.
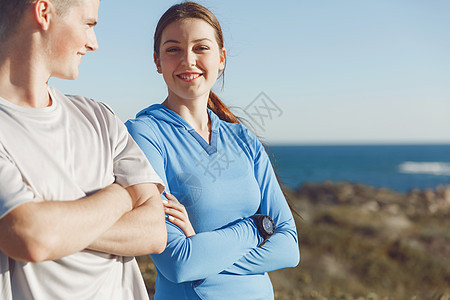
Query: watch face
column 268, row 225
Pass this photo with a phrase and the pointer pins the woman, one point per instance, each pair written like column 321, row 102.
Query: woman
column 215, row 167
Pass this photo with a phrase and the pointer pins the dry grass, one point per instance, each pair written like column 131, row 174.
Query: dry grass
column 355, row 249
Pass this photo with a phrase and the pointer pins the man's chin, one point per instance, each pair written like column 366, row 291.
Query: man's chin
column 71, row 76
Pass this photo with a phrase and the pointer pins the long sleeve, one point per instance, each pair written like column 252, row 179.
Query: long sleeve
column 206, row 253
column 281, row 250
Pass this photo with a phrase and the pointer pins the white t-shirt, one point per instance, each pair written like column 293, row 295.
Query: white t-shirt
column 66, row 151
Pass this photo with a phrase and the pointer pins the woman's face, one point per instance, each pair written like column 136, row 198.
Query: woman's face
column 189, row 59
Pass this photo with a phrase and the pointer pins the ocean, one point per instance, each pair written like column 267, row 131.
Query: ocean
column 398, row 167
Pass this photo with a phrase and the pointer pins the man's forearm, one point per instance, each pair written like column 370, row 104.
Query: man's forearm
column 49, row 230
column 139, row 232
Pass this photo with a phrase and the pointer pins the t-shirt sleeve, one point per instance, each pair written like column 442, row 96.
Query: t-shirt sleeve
column 148, row 142
column 130, row 166
column 13, row 190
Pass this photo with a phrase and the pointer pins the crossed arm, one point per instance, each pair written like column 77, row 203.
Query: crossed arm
column 140, row 231
column 105, row 221
column 195, row 257
column 189, row 256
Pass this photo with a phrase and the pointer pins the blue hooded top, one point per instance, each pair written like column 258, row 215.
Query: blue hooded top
column 221, row 184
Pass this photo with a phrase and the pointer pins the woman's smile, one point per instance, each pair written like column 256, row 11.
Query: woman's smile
column 188, row 77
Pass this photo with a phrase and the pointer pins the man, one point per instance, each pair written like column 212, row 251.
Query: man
column 78, row 198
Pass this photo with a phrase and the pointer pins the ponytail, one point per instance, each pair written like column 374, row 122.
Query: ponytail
column 220, row 109
column 190, row 9
column 224, row 113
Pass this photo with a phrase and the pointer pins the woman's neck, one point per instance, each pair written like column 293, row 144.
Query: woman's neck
column 193, row 111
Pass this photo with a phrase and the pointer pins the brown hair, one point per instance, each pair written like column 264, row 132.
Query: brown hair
column 192, row 10
column 11, row 13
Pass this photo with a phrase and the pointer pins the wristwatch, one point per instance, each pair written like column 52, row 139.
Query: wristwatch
column 265, row 225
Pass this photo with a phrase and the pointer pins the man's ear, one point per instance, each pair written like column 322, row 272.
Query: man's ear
column 157, row 63
column 43, row 10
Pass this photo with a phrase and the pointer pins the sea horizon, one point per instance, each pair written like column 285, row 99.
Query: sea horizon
column 400, row 167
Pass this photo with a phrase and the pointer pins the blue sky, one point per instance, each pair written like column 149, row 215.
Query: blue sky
column 348, row 71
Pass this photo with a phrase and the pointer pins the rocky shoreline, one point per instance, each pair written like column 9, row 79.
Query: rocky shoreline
column 432, row 201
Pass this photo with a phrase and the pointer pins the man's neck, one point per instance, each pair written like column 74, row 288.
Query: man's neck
column 22, row 79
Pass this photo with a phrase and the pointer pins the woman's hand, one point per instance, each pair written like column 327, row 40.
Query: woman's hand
column 178, row 214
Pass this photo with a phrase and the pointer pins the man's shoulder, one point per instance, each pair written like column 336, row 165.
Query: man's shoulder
column 81, row 102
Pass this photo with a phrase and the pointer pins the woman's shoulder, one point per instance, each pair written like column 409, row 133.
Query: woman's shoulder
column 149, row 117
column 148, row 113
column 240, row 131
column 240, row 134
column 145, row 123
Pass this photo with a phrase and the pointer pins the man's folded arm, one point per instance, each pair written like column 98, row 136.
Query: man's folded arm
column 48, row 230
column 139, row 232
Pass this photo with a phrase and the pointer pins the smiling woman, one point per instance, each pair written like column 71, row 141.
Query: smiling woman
column 190, row 60
column 333, row 69
column 221, row 189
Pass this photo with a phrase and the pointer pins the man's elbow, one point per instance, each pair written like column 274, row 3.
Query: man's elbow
column 29, row 250
column 22, row 241
column 35, row 254
column 159, row 245
column 159, row 239
column 158, row 249
column 155, row 243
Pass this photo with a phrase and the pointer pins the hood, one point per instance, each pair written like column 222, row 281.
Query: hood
column 162, row 113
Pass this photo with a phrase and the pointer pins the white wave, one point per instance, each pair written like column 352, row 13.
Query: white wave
column 430, row 168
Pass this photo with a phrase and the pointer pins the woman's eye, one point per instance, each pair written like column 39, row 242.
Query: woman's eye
column 172, row 50
column 202, row 48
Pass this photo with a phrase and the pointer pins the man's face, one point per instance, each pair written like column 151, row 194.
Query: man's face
column 71, row 36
